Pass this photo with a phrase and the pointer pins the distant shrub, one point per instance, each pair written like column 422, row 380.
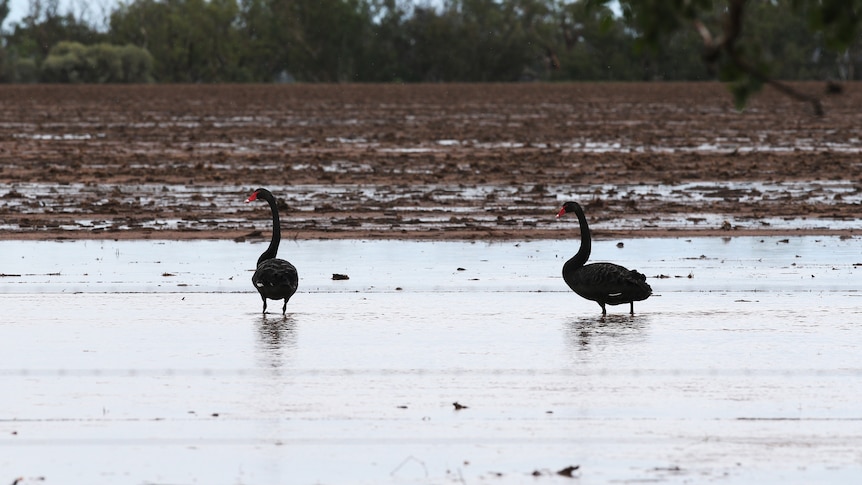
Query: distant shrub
column 65, row 63
column 104, row 64
column 19, row 70
column 73, row 62
column 137, row 64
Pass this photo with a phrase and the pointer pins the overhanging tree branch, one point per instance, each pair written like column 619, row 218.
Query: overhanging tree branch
column 727, row 43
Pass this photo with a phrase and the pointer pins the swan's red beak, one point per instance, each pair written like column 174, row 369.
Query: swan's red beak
column 561, row 213
column 251, row 198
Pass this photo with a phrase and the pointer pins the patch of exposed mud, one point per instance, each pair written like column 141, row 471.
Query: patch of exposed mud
column 423, row 161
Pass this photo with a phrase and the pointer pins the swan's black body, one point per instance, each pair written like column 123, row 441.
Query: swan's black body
column 274, row 278
column 603, row 283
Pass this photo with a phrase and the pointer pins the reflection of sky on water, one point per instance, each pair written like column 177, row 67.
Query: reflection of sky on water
column 740, row 263
column 155, row 352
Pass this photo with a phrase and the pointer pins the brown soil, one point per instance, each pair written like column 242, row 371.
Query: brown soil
column 420, row 161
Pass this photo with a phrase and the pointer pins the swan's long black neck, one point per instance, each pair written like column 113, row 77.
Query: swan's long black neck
column 580, row 258
column 272, row 250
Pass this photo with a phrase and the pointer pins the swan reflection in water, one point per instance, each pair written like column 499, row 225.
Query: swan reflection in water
column 276, row 339
column 611, row 331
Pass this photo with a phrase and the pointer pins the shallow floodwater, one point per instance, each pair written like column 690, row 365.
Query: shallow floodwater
column 150, row 362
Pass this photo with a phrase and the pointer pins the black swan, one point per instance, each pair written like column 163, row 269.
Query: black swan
column 604, row 283
column 274, row 278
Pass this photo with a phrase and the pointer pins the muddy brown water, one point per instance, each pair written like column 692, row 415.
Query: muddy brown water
column 149, row 362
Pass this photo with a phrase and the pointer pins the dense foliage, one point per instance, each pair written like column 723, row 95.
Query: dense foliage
column 431, row 41
column 72, row 62
column 749, row 43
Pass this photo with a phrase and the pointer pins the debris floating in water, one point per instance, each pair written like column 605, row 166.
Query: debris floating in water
column 568, row 471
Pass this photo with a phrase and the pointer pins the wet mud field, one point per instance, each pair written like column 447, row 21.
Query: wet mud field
column 427, row 161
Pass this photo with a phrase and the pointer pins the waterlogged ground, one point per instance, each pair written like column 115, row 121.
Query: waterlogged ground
column 150, row 362
column 437, row 211
column 437, row 161
column 131, row 355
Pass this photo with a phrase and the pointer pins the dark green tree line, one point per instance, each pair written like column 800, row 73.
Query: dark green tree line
column 744, row 42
